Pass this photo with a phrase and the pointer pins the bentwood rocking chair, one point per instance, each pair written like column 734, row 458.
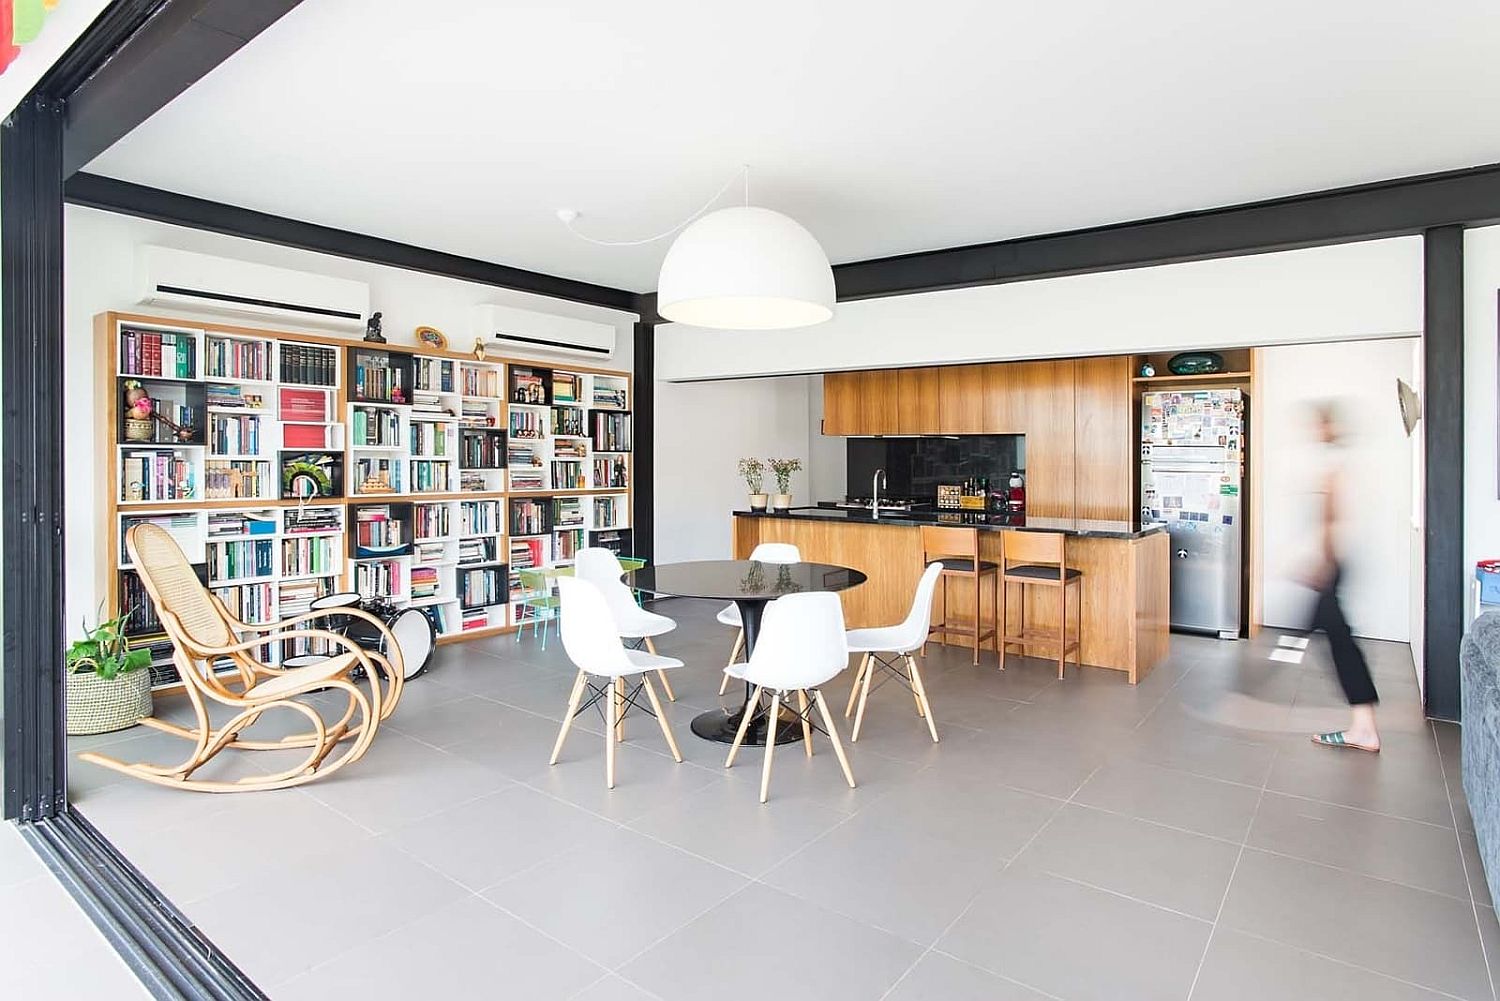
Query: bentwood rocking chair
column 206, row 638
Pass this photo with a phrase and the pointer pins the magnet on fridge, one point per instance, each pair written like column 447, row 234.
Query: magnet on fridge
column 1229, row 519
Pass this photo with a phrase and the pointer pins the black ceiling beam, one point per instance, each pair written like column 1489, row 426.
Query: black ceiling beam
column 172, row 46
column 95, row 191
column 1402, row 207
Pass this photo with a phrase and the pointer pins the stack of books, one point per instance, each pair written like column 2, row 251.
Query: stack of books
column 480, row 549
column 424, row 583
column 375, row 529
column 225, row 395
column 158, row 354
column 234, row 359
column 312, row 519
column 242, row 560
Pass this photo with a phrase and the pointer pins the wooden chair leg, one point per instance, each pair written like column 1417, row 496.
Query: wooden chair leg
column 661, row 717
column 833, row 736
column 666, row 686
column 978, row 607
column 618, row 696
column 1002, row 616
column 806, row 724
column 864, row 664
column 923, row 702
column 739, row 735
column 917, row 698
column 765, row 772
column 567, row 723
column 1062, row 633
column 864, row 696
column 739, row 641
column 609, row 735
column 999, row 628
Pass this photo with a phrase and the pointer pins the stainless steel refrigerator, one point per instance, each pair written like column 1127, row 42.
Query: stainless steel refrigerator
column 1192, row 474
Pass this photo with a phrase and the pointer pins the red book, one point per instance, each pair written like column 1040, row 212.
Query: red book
column 304, row 436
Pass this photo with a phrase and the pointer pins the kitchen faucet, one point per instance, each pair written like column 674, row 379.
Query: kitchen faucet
column 877, row 480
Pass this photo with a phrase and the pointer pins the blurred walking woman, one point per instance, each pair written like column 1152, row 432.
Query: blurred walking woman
column 1328, row 615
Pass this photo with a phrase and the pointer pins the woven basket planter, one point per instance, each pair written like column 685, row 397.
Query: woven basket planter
column 99, row 706
column 139, row 430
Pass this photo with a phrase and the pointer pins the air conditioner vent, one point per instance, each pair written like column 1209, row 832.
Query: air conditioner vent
column 526, row 331
column 222, row 285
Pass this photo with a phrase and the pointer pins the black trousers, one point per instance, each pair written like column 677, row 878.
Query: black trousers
column 1348, row 659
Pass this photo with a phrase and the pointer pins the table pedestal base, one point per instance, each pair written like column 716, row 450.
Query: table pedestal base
column 721, row 725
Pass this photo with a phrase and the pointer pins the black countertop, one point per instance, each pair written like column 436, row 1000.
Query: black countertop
column 1084, row 528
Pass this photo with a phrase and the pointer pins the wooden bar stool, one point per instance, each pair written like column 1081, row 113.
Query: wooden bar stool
column 958, row 549
column 1040, row 559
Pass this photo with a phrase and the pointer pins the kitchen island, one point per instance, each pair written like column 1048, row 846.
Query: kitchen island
column 1125, row 573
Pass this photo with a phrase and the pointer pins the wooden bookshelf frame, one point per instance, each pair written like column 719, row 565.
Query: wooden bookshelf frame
column 106, row 458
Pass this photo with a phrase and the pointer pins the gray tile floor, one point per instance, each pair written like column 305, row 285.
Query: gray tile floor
column 1079, row 840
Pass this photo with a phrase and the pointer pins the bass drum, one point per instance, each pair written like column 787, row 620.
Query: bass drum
column 414, row 632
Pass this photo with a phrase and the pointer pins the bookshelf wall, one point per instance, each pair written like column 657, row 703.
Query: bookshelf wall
column 314, row 464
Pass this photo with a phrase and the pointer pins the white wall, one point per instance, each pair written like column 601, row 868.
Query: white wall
column 1481, row 342
column 1377, row 459
column 828, row 456
column 99, row 275
column 61, row 29
column 702, row 430
column 1349, row 291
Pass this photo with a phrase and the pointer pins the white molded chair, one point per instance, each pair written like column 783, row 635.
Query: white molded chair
column 801, row 647
column 766, row 552
column 899, row 641
column 601, row 567
column 593, row 644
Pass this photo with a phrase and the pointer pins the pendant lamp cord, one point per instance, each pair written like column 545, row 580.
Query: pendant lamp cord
column 742, row 174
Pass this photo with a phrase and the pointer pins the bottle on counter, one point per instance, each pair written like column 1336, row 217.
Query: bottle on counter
column 1016, row 496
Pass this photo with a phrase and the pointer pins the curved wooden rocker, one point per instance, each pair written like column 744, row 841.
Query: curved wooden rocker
column 205, row 636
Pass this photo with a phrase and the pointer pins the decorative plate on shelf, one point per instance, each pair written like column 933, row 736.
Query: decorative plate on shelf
column 1196, row 363
column 432, row 337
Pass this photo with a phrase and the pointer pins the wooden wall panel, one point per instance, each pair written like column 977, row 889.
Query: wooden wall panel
column 1004, row 399
column 919, row 392
column 1103, row 454
column 1046, row 389
column 880, row 402
column 841, row 414
column 961, row 399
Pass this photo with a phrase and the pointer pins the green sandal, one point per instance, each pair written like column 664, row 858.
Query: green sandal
column 1336, row 738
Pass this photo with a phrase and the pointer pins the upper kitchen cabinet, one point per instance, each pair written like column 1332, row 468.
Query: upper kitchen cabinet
column 919, row 392
column 1004, row 399
column 961, row 399
column 880, row 401
column 841, row 408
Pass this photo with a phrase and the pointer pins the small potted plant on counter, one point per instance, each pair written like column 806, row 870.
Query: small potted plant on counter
column 753, row 471
column 108, row 684
column 783, row 468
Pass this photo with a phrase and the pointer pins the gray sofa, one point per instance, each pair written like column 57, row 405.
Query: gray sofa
column 1481, row 739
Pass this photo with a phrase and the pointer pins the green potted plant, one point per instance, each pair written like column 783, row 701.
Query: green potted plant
column 108, row 684
column 783, row 468
column 753, row 472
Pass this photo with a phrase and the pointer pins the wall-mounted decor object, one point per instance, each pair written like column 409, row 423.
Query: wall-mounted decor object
column 479, row 349
column 1410, row 404
column 1196, row 363
column 432, row 337
column 372, row 330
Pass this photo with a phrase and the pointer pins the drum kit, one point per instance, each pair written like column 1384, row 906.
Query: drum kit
column 414, row 633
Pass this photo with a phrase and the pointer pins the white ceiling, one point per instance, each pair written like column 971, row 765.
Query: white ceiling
column 883, row 127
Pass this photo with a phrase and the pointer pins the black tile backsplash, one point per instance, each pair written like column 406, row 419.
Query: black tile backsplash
column 915, row 466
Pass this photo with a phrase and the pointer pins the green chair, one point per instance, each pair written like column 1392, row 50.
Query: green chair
column 537, row 606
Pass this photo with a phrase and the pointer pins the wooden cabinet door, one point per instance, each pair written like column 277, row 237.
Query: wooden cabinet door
column 1047, row 395
column 1004, row 399
column 961, row 399
column 919, row 393
column 841, row 413
column 1104, row 432
column 880, row 403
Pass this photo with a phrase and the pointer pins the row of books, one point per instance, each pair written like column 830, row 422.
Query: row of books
column 608, row 396
column 377, row 380
column 567, row 474
column 313, row 519
column 479, row 518
column 156, row 475
column 182, row 527
column 238, row 479
column 431, row 521
column 375, row 528
column 296, row 598
column 482, row 382
column 429, row 438
column 242, row 559
column 477, row 550
column 309, row 364
column 223, row 394
column 607, row 512
column 376, row 428
column 611, row 432
column 141, row 619
column 430, row 475
column 158, row 353
column 567, row 512
column 528, row 554
column 529, row 517
column 433, row 374
column 567, row 387
column 527, row 424
column 568, row 543
column 222, row 523
column 482, row 587
column 482, row 449
column 234, row 435
column 252, row 603
column 378, row 578
column 303, row 557
column 610, row 471
column 227, row 358
column 567, row 420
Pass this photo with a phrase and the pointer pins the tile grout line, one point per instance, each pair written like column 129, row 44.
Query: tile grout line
column 1228, row 886
column 1484, row 951
column 1348, row 965
column 1002, row 871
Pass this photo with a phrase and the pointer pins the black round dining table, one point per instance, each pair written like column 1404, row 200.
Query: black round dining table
column 751, row 585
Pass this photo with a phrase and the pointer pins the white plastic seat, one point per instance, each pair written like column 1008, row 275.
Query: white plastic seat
column 729, row 615
column 900, row 641
column 800, row 648
column 593, row 644
column 601, row 567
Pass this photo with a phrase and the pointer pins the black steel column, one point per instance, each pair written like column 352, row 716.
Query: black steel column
column 31, row 458
column 643, row 471
column 1443, row 438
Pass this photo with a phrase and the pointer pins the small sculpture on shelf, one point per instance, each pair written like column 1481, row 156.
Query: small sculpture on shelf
column 141, row 416
column 1148, row 370
column 372, row 329
column 479, row 349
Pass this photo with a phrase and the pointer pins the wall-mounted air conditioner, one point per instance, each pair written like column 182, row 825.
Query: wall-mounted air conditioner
column 184, row 280
column 524, row 332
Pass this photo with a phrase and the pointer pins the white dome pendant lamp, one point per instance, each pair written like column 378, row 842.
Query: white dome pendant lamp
column 742, row 268
column 745, row 268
